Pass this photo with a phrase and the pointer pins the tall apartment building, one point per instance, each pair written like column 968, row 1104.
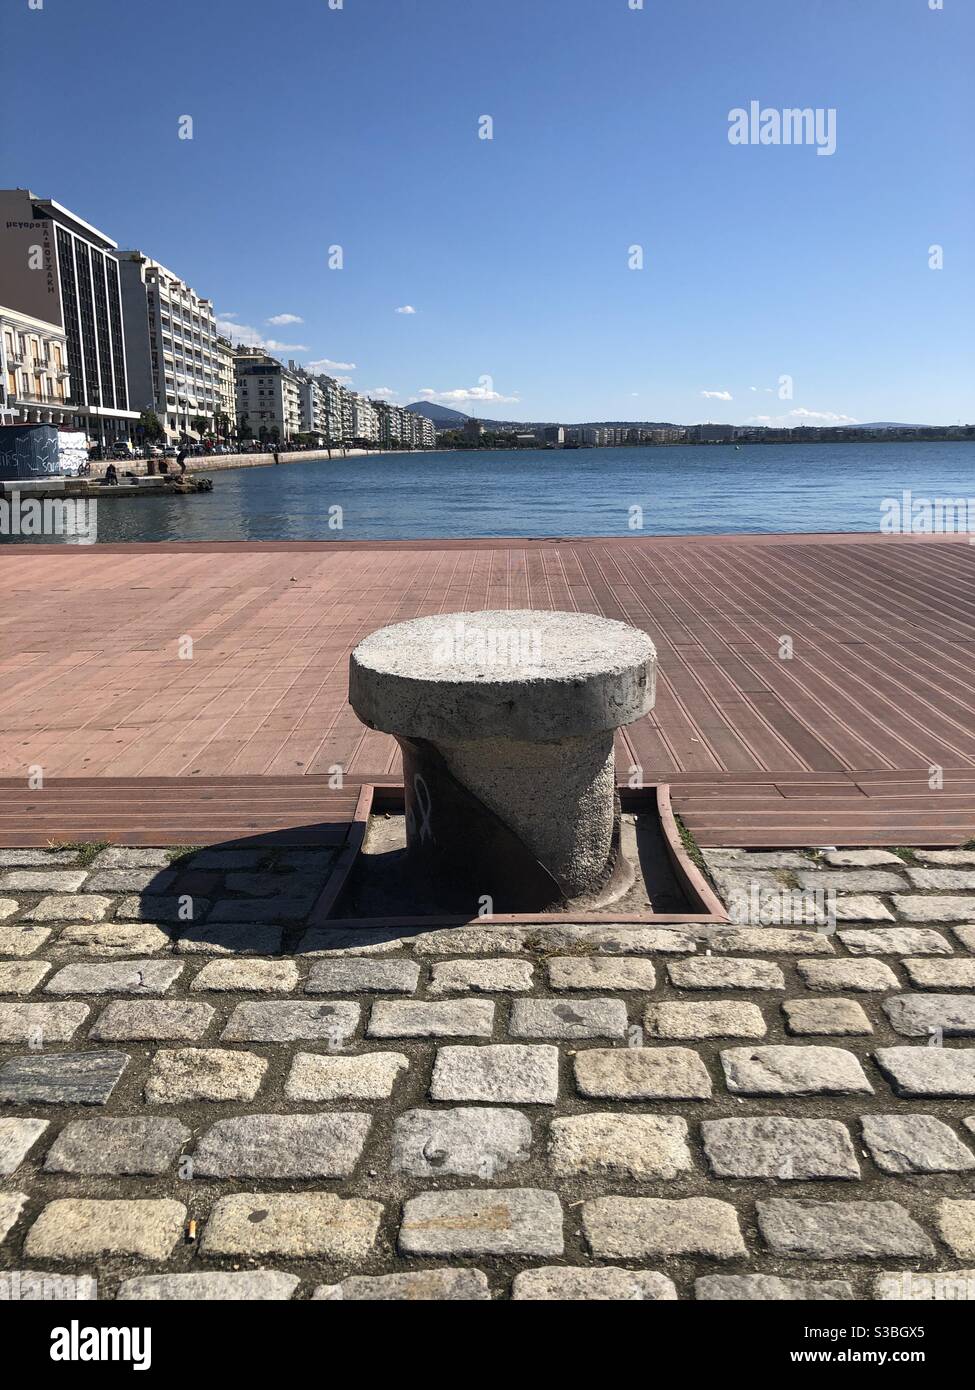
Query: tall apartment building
column 332, row 397
column 427, row 431
column 390, row 424
column 312, row 404
column 59, row 288
column 226, row 387
column 365, row 420
column 172, row 352
column 400, row 428
column 347, row 401
column 268, row 396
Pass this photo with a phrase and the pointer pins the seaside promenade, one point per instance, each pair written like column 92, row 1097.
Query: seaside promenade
column 209, row 1090
column 813, row 689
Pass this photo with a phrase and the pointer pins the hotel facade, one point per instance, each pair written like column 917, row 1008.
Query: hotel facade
column 61, row 327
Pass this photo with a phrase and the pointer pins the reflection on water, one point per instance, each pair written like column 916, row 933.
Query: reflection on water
column 585, row 492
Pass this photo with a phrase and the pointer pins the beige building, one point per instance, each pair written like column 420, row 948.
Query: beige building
column 268, row 396
column 34, row 379
column 226, row 391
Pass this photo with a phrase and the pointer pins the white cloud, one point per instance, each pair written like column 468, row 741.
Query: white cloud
column 463, row 394
column 801, row 416
column 279, row 320
column 245, row 336
column 325, row 364
column 381, row 391
column 718, row 395
column 406, row 309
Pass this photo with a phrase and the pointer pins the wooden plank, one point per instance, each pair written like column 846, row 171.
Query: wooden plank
column 94, row 692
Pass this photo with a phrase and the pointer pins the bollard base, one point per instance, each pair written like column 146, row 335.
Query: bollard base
column 384, row 886
column 455, row 839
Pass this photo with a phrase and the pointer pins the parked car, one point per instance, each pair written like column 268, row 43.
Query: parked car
column 170, row 451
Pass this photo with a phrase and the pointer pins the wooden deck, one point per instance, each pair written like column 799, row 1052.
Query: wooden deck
column 835, row 745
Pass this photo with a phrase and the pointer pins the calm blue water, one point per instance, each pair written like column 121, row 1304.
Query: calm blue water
column 585, row 492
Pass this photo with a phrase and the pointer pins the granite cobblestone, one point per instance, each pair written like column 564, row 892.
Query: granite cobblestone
column 506, row 1112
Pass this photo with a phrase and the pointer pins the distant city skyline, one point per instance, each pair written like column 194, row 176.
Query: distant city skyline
column 650, row 232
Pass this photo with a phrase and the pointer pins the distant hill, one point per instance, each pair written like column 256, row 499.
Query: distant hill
column 444, row 419
column 441, row 415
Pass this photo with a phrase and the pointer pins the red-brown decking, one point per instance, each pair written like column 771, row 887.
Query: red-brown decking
column 833, row 746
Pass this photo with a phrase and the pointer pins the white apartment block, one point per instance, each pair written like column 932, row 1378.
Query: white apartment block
column 268, row 396
column 423, row 434
column 347, row 401
column 390, row 424
column 332, row 398
column 174, row 361
column 313, row 406
column 365, row 420
column 400, row 428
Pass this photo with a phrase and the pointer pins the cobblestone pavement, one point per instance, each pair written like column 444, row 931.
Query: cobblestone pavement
column 226, row 1105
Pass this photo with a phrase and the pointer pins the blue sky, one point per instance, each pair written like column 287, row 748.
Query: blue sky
column 358, row 127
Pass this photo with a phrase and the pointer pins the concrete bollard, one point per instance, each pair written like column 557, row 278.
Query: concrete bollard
column 506, row 723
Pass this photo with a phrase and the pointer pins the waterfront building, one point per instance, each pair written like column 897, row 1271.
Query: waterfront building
column 422, row 434
column 172, row 352
column 312, row 404
column 473, row 429
column 225, row 387
column 268, row 396
column 347, row 404
column 551, row 434
column 365, row 420
column 61, row 275
column 390, row 424
column 713, row 434
column 331, row 393
column 33, row 369
column 402, row 428
column 397, row 426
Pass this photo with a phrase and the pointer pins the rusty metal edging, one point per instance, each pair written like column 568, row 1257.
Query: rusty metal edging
column 347, row 856
column 691, row 879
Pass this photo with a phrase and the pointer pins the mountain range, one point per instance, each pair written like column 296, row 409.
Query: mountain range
column 444, row 418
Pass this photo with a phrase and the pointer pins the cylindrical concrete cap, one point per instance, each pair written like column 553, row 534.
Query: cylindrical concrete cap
column 527, row 674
